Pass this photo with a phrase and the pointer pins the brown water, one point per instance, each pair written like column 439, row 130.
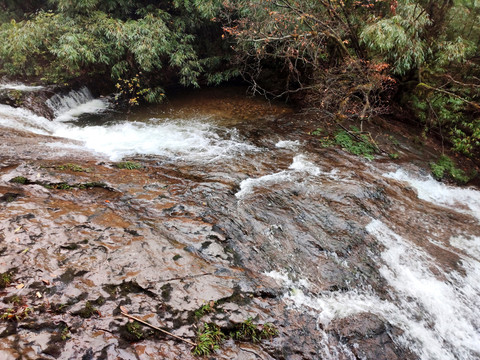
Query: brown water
column 235, row 203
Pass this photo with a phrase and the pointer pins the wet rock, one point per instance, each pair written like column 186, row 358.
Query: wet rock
column 28, row 99
column 169, row 239
column 370, row 337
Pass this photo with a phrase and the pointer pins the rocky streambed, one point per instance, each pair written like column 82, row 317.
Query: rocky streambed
column 217, row 209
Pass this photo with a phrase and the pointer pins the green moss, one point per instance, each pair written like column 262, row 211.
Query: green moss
column 59, row 308
column 72, row 167
column 64, row 186
column 90, row 185
column 19, row 180
column 81, row 186
column 135, row 329
column 16, row 96
column 210, row 335
column 128, row 165
column 177, row 257
column 353, row 142
column 87, row 311
column 362, row 147
column 317, row 132
column 166, row 291
column 445, row 168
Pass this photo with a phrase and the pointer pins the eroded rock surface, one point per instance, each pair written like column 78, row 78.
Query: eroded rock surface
column 80, row 237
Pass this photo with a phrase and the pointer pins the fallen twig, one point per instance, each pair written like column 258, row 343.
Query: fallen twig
column 156, row 328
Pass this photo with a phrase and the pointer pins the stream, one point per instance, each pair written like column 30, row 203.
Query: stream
column 232, row 203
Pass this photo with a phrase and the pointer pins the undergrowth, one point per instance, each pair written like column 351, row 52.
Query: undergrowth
column 210, row 335
column 444, row 167
column 353, row 141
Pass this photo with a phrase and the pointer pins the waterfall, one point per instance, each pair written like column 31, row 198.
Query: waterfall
column 75, row 103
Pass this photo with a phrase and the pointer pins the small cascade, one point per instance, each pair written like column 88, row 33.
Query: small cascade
column 75, row 103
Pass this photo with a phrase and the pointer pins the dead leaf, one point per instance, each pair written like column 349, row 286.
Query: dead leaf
column 123, row 309
column 46, row 282
column 38, row 294
column 17, row 229
column 20, row 286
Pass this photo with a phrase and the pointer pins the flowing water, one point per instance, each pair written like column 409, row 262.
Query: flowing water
column 349, row 258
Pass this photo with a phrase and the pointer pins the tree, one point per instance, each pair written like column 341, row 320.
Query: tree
column 315, row 45
column 153, row 42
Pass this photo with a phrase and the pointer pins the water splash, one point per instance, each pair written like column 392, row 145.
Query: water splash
column 464, row 200
column 20, row 87
column 299, row 171
column 288, row 144
column 75, row 103
column 194, row 140
column 439, row 314
column 25, row 120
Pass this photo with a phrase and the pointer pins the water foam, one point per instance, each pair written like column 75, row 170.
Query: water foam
column 25, row 120
column 192, row 140
column 75, row 103
column 439, row 314
column 20, row 87
column 464, row 200
column 295, row 173
column 469, row 244
column 288, row 144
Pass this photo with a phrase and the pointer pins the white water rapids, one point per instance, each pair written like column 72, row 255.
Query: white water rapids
column 195, row 139
column 437, row 310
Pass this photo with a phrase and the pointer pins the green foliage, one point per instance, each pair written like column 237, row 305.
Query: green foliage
column 146, row 43
column 449, row 115
column 317, row 132
column 445, row 167
column 209, row 338
column 399, row 38
column 87, row 311
column 248, row 331
column 131, row 90
column 359, row 145
column 6, row 279
column 17, row 313
column 208, row 307
column 65, row 333
column 128, row 165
